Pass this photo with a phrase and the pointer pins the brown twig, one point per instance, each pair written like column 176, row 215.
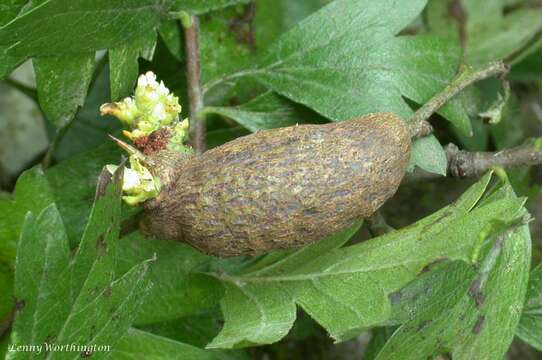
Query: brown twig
column 462, row 163
column 193, row 70
column 465, row 163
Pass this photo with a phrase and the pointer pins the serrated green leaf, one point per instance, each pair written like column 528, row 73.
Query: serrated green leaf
column 274, row 17
column 176, row 292
column 79, row 300
column 62, row 84
column 170, row 32
column 57, row 27
column 89, row 129
column 259, row 307
column 73, row 183
column 428, row 154
column 124, row 66
column 42, row 257
column 467, row 313
column 141, row 344
column 360, row 66
column 6, row 291
column 32, row 193
column 529, row 68
column 530, row 326
column 489, row 33
column 266, row 111
column 8, row 10
column 203, row 6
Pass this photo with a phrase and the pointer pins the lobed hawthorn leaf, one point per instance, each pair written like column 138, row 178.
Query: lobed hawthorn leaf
column 177, row 290
column 9, row 10
column 530, row 326
column 468, row 312
column 62, row 84
column 489, row 33
column 57, row 27
column 346, row 60
column 232, row 40
column 266, row 111
column 360, row 66
column 74, row 300
column 32, row 193
column 259, row 306
column 124, row 66
column 170, row 32
column 142, row 344
column 89, row 129
column 272, row 18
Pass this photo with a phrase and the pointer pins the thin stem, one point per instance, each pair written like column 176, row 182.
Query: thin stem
column 463, row 163
column 193, row 70
column 467, row 76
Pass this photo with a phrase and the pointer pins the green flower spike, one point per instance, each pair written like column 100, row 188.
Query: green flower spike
column 152, row 107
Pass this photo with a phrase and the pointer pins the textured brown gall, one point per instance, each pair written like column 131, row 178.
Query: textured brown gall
column 279, row 188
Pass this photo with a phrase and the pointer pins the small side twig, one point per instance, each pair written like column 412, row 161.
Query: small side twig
column 465, row 163
column 466, row 76
column 191, row 33
column 462, row 163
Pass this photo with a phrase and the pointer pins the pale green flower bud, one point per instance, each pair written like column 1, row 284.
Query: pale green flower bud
column 152, row 107
column 138, row 184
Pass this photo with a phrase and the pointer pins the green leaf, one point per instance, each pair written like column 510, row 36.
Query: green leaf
column 275, row 17
column 259, row 307
column 177, row 291
column 203, row 6
column 32, row 193
column 75, row 300
column 266, row 111
column 6, row 291
column 124, row 66
column 530, row 326
column 225, row 49
column 139, row 344
column 360, row 66
column 428, row 154
column 253, row 313
column 73, row 183
column 57, row 27
column 490, row 32
column 89, row 129
column 10, row 9
column 170, row 32
column 62, row 84
column 42, row 257
column 495, row 36
column 470, row 313
column 529, row 68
